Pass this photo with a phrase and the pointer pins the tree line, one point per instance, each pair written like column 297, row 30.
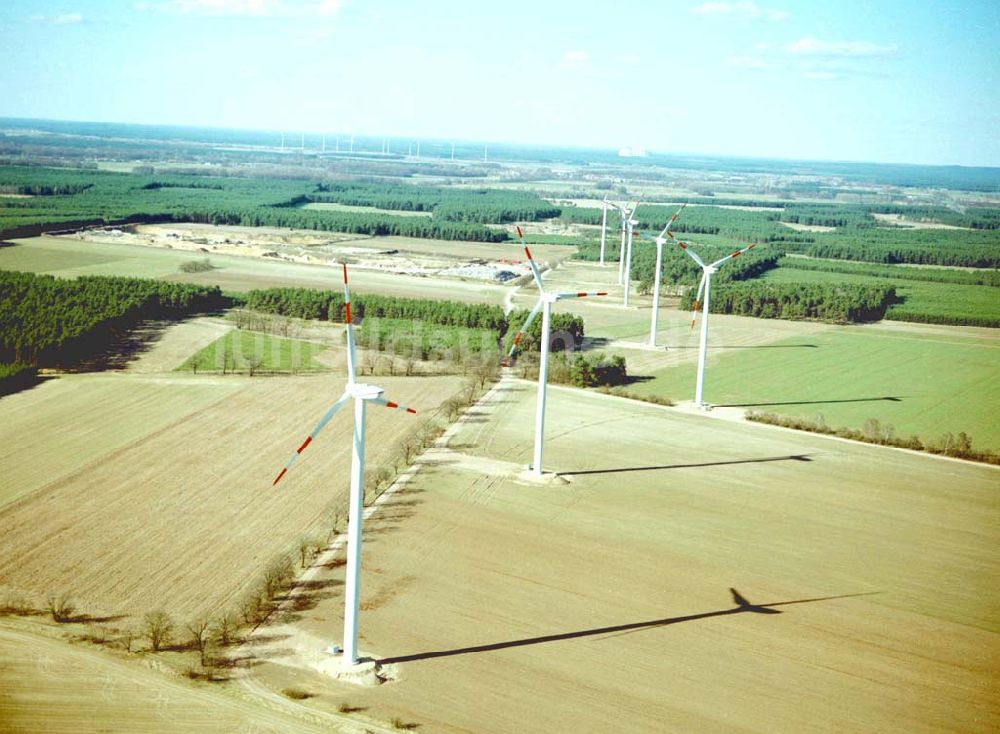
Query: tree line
column 475, row 205
column 48, row 322
column 839, row 303
column 306, row 303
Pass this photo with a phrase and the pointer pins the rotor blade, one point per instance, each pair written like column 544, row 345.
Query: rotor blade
column 351, row 359
column 697, row 298
column 732, row 255
column 672, row 219
column 390, row 404
column 579, row 294
column 694, row 256
column 531, row 261
column 523, row 330
column 319, row 427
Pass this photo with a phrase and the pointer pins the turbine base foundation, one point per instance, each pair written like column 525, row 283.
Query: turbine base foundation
column 367, row 672
column 546, row 478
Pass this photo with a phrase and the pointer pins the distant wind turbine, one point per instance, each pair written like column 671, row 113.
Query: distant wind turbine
column 660, row 242
column 605, row 205
column 544, row 304
column 707, row 271
column 630, row 225
column 362, row 395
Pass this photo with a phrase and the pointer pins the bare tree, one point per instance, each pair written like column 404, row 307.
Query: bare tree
column 305, row 549
column 199, row 630
column 128, row 636
column 225, row 628
column 371, row 359
column 254, row 363
column 60, row 606
column 276, row 575
column 159, row 629
column 409, row 449
column 410, row 364
column 250, row 608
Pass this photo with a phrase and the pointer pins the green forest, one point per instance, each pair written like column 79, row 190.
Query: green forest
column 52, row 322
column 840, row 303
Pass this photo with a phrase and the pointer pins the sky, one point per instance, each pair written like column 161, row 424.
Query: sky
column 881, row 81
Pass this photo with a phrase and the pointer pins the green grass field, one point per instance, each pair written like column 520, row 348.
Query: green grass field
column 423, row 340
column 240, row 350
column 922, row 301
column 922, row 380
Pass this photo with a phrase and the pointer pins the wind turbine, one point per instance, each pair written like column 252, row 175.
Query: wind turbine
column 660, row 242
column 707, row 271
column 362, row 394
column 544, row 304
column 605, row 205
column 626, row 216
column 630, row 224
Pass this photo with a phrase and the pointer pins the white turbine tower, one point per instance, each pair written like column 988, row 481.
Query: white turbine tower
column 660, row 242
column 707, row 271
column 605, row 205
column 630, row 224
column 626, row 216
column 362, row 394
column 544, row 304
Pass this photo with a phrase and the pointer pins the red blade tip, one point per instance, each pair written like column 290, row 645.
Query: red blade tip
column 345, row 273
column 529, row 253
column 520, row 235
column 278, row 478
column 304, row 444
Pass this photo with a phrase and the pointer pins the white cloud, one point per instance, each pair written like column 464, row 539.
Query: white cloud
column 244, row 8
column 575, row 57
column 64, row 19
column 820, row 75
column 740, row 9
column 809, row 46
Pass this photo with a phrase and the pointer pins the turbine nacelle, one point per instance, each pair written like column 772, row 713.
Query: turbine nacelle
column 361, row 391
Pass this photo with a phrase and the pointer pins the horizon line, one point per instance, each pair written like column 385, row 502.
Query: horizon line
column 648, row 153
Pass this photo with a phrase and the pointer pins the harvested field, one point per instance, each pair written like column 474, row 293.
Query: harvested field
column 602, row 602
column 137, row 492
column 52, row 686
column 67, row 257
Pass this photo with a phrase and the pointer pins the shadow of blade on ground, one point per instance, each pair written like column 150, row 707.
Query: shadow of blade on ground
column 742, row 606
column 621, row 470
column 888, row 398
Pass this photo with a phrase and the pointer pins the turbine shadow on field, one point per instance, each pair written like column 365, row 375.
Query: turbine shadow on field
column 621, row 470
column 889, row 398
column 742, row 606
